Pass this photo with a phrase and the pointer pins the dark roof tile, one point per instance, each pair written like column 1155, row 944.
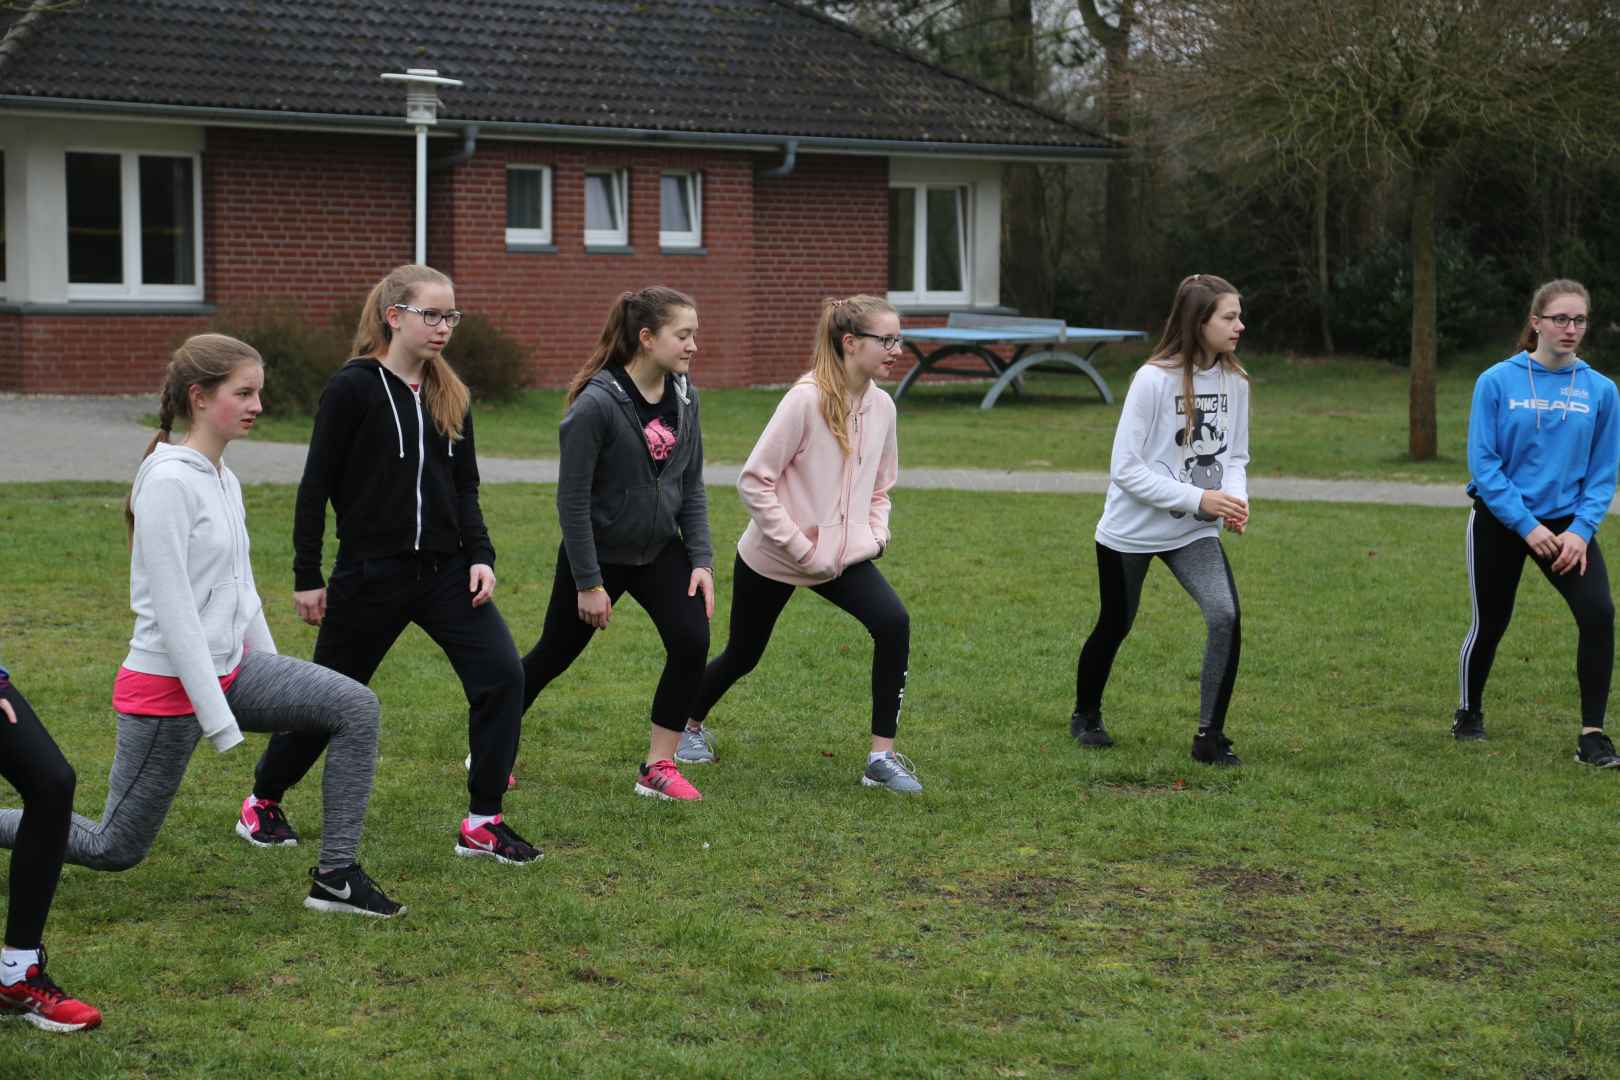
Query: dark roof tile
column 765, row 67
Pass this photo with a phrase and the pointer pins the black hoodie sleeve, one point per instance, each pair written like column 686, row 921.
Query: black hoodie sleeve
column 694, row 516
column 469, row 515
column 579, row 443
column 337, row 419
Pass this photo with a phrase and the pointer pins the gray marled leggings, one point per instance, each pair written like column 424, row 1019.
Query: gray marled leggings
column 271, row 693
column 1202, row 570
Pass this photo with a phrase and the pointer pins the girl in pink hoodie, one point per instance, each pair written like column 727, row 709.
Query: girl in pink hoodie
column 817, row 487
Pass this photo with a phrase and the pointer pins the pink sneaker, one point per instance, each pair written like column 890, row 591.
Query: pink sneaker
column 662, row 780
column 263, row 823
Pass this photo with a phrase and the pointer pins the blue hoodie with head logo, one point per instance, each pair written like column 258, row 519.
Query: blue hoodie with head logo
column 1544, row 443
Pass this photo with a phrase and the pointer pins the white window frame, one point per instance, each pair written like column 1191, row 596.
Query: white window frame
column 541, row 235
column 694, row 189
column 11, row 240
column 133, row 288
column 619, row 192
column 919, row 293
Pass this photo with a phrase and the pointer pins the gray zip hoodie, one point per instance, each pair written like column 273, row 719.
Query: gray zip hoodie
column 191, row 582
column 612, row 506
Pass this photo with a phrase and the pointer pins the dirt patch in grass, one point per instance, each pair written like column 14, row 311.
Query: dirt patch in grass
column 1029, row 893
column 1243, row 881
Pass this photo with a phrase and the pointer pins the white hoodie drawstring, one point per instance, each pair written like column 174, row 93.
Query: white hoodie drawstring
column 1530, row 370
column 398, row 428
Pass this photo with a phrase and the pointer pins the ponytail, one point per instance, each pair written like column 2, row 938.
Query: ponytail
column 646, row 309
column 839, row 317
column 443, row 392
column 204, row 361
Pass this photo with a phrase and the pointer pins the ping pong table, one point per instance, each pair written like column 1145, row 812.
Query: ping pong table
column 1048, row 342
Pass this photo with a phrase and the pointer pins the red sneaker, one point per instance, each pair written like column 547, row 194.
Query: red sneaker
column 43, row 1004
column 662, row 780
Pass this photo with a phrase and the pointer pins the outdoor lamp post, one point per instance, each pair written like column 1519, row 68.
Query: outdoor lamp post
column 422, row 109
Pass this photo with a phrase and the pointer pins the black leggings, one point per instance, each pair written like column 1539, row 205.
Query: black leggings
column 369, row 603
column 660, row 588
column 1202, row 570
column 861, row 590
column 31, row 763
column 1496, row 557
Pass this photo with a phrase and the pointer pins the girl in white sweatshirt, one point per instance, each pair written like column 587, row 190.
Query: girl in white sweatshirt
column 201, row 661
column 1178, row 474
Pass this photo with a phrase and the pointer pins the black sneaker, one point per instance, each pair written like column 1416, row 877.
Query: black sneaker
column 1596, row 749
column 497, row 841
column 1088, row 729
column 349, row 890
column 1214, row 748
column 1466, row 725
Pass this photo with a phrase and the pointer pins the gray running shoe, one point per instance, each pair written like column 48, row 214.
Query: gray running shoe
column 696, row 747
column 893, row 771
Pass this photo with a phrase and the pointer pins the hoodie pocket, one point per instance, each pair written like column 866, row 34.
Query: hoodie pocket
column 222, row 618
column 823, row 560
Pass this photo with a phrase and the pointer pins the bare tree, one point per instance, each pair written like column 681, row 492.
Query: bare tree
column 1119, row 199
column 1384, row 85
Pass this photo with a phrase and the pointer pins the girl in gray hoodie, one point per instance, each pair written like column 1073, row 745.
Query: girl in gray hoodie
column 201, row 660
column 635, row 515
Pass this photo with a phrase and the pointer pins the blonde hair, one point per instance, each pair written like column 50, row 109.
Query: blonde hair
column 1182, row 344
column 650, row 308
column 445, row 395
column 839, row 317
column 1552, row 290
column 204, row 361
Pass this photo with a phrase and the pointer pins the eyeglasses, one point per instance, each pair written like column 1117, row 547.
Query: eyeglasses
column 433, row 316
column 887, row 341
column 1563, row 321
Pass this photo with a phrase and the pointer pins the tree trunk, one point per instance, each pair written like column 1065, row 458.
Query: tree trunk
column 1027, row 275
column 1324, row 287
column 1423, row 436
column 1119, row 198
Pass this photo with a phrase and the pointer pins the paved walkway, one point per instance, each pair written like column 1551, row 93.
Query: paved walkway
column 101, row 438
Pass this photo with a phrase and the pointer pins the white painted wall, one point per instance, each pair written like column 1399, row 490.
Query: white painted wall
column 36, row 190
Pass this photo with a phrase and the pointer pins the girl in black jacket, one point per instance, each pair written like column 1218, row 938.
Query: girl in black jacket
column 634, row 514
column 393, row 453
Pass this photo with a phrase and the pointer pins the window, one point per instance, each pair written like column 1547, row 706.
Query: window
column 928, row 244
column 607, row 209
column 134, row 226
column 528, row 204
column 680, row 223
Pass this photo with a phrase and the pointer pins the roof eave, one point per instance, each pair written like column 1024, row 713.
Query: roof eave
column 352, row 122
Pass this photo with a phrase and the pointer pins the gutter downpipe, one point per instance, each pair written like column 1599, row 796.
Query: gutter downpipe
column 790, row 159
column 469, row 147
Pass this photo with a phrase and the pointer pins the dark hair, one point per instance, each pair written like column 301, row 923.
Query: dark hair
column 1182, row 344
column 203, row 361
column 443, row 392
column 1552, row 290
column 646, row 309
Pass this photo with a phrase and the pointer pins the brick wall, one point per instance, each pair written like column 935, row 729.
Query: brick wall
column 556, row 302
column 823, row 230
column 316, row 219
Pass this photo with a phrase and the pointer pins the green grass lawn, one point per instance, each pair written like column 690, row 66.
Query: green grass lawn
column 1364, row 898
column 1337, row 418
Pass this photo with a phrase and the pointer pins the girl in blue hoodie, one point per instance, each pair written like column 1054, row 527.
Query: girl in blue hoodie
column 1543, row 446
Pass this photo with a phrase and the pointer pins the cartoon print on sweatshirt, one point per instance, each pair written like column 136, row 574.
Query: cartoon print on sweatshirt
column 1202, row 467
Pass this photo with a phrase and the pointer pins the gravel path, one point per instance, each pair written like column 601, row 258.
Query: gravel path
column 100, row 438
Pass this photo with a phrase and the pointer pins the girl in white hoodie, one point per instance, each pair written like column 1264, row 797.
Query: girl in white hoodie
column 201, row 660
column 1179, row 472
column 817, row 487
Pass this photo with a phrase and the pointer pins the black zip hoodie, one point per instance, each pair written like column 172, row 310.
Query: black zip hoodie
column 612, row 505
column 396, row 483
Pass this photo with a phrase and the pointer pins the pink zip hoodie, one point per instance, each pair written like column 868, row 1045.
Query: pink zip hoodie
column 816, row 511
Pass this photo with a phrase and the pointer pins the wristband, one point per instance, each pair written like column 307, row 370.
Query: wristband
column 595, row 588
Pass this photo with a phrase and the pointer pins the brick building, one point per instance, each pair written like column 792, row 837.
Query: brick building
column 162, row 159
